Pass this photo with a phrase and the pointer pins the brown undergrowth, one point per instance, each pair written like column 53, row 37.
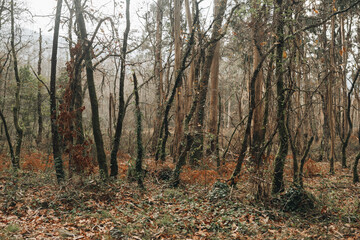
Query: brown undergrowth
column 32, row 205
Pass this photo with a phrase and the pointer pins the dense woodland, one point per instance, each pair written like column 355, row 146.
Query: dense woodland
column 212, row 119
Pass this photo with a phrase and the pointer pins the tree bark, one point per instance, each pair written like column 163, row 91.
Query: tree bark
column 39, row 97
column 87, row 49
column 158, row 73
column 345, row 142
column 196, row 152
column 258, row 32
column 16, row 108
column 279, row 162
column 164, row 131
column 121, row 111
column 11, row 149
column 330, row 97
column 53, row 111
column 179, row 97
column 191, row 77
column 138, row 164
column 214, row 89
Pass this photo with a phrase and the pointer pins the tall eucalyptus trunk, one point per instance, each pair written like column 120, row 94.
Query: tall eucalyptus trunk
column 179, row 97
column 214, row 89
column 158, row 72
column 196, row 152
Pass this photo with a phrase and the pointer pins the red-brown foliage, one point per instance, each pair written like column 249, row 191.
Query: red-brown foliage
column 311, row 168
column 36, row 162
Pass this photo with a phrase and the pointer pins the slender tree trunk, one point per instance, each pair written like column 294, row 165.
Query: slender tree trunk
column 16, row 108
column 11, row 149
column 355, row 171
column 347, row 111
column 196, row 152
column 101, row 157
column 279, row 162
column 214, row 89
column 53, row 112
column 258, row 32
column 164, row 131
column 228, row 113
column 138, row 164
column 179, row 97
column 330, row 97
column 302, row 161
column 343, row 53
column 121, row 111
column 246, row 139
column 158, row 73
column 191, row 78
column 39, row 98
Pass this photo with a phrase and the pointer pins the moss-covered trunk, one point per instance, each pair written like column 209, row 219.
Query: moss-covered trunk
column 140, row 151
column 53, row 111
column 16, row 108
column 278, row 175
column 121, row 110
column 101, row 157
column 196, row 152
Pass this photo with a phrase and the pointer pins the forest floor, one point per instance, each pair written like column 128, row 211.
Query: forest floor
column 33, row 206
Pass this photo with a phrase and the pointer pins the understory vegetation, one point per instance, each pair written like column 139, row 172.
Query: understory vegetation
column 203, row 207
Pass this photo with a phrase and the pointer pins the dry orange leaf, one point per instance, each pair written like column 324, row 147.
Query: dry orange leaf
column 284, row 54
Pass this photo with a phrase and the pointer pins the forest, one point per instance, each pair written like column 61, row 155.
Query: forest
column 180, row 119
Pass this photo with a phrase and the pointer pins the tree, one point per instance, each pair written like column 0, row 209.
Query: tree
column 140, row 151
column 16, row 108
column 39, row 95
column 87, row 49
column 158, row 72
column 279, row 162
column 257, row 26
column 214, row 89
column 196, row 152
column 330, row 107
column 121, row 111
column 179, row 97
column 60, row 175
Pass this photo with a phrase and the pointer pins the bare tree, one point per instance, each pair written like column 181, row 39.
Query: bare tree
column 87, row 49
column 54, row 128
column 121, row 111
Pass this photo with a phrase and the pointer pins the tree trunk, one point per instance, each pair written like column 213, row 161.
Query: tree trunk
column 258, row 32
column 179, row 97
column 355, row 172
column 330, row 97
column 121, row 111
column 302, row 161
column 214, row 89
column 101, row 157
column 279, row 162
column 196, row 152
column 138, row 164
column 39, row 98
column 16, row 108
column 53, row 112
column 164, row 131
column 345, row 142
column 158, row 73
column 191, row 77
column 11, row 150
